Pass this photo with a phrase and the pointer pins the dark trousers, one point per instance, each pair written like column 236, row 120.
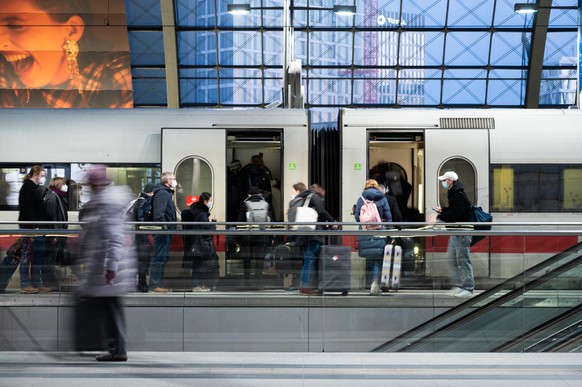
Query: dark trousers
column 97, row 315
column 144, row 257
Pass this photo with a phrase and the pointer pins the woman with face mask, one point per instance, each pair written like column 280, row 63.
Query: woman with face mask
column 204, row 267
column 56, row 209
column 31, row 208
column 49, row 58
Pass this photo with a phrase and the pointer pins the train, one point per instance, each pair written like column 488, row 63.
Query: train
column 521, row 165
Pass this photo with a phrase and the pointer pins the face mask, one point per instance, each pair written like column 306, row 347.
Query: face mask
column 42, row 180
column 64, row 188
column 293, row 196
column 174, row 183
column 444, row 184
column 210, row 203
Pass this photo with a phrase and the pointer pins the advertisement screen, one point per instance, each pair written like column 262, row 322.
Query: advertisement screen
column 64, row 54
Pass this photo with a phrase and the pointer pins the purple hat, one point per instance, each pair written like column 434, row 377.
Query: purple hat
column 97, row 175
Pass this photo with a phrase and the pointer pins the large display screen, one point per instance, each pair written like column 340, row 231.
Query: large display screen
column 64, row 54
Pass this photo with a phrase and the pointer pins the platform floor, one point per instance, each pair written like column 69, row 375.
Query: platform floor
column 157, row 369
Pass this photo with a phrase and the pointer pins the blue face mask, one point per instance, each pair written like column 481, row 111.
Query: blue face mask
column 444, row 184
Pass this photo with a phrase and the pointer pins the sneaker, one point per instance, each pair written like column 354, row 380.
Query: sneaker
column 112, row 357
column 200, row 289
column 454, row 290
column 309, row 292
column 375, row 289
column 29, row 290
column 464, row 293
column 291, row 289
column 161, row 290
column 45, row 289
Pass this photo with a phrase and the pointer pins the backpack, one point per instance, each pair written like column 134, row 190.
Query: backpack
column 257, row 211
column 145, row 211
column 476, row 215
column 259, row 178
column 130, row 211
column 369, row 214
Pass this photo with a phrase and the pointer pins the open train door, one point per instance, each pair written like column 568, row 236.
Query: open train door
column 198, row 161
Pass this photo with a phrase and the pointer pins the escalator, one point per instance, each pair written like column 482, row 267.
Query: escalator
column 499, row 318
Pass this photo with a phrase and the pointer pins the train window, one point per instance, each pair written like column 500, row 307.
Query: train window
column 12, row 176
column 536, row 188
column 194, row 176
column 133, row 176
column 466, row 174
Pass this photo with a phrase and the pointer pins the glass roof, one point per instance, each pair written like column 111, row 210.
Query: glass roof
column 392, row 53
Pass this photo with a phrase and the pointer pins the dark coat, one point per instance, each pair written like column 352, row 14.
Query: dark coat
column 394, row 209
column 164, row 207
column 198, row 212
column 55, row 209
column 30, row 204
column 459, row 206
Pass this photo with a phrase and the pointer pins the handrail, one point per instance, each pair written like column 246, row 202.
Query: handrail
column 480, row 297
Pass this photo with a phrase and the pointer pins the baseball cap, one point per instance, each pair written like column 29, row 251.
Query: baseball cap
column 449, row 175
column 149, row 187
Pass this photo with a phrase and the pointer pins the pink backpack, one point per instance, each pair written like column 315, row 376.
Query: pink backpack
column 369, row 214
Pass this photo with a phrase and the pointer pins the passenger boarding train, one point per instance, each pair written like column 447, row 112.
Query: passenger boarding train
column 520, row 165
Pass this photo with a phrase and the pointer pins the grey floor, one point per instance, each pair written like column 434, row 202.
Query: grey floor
column 213, row 369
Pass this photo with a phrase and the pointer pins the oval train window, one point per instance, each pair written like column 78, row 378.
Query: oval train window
column 194, row 176
column 467, row 177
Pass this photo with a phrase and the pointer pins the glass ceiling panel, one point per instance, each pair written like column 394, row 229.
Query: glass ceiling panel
column 390, row 53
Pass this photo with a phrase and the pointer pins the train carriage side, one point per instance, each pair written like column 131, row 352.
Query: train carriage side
column 485, row 148
column 139, row 144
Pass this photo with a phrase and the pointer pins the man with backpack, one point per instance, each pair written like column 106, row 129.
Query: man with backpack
column 459, row 247
column 255, row 208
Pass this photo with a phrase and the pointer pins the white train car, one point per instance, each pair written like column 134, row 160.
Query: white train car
column 520, row 165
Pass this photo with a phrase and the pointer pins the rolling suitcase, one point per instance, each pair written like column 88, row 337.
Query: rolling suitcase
column 288, row 258
column 7, row 268
column 391, row 266
column 334, row 269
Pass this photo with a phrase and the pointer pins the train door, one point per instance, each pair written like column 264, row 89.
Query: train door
column 467, row 153
column 198, row 158
column 396, row 160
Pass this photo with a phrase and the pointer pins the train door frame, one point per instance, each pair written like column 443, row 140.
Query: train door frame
column 177, row 145
column 405, row 140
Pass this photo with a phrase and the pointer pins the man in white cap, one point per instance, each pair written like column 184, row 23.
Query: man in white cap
column 459, row 245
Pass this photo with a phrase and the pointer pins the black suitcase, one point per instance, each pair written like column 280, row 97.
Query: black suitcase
column 334, row 269
column 288, row 258
column 7, row 268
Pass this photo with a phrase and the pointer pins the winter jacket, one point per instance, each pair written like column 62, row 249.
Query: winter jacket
column 104, row 245
column 164, row 207
column 459, row 206
column 198, row 212
column 55, row 210
column 381, row 203
column 30, row 204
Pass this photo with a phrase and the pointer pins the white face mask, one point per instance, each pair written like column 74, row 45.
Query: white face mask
column 174, row 183
column 64, row 188
column 42, row 180
column 293, row 196
column 209, row 204
column 444, row 184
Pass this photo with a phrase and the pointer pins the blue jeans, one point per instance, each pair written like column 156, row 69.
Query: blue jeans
column 461, row 267
column 310, row 260
column 30, row 266
column 161, row 254
column 374, row 269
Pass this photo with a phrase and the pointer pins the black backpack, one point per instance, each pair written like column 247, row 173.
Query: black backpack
column 145, row 212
